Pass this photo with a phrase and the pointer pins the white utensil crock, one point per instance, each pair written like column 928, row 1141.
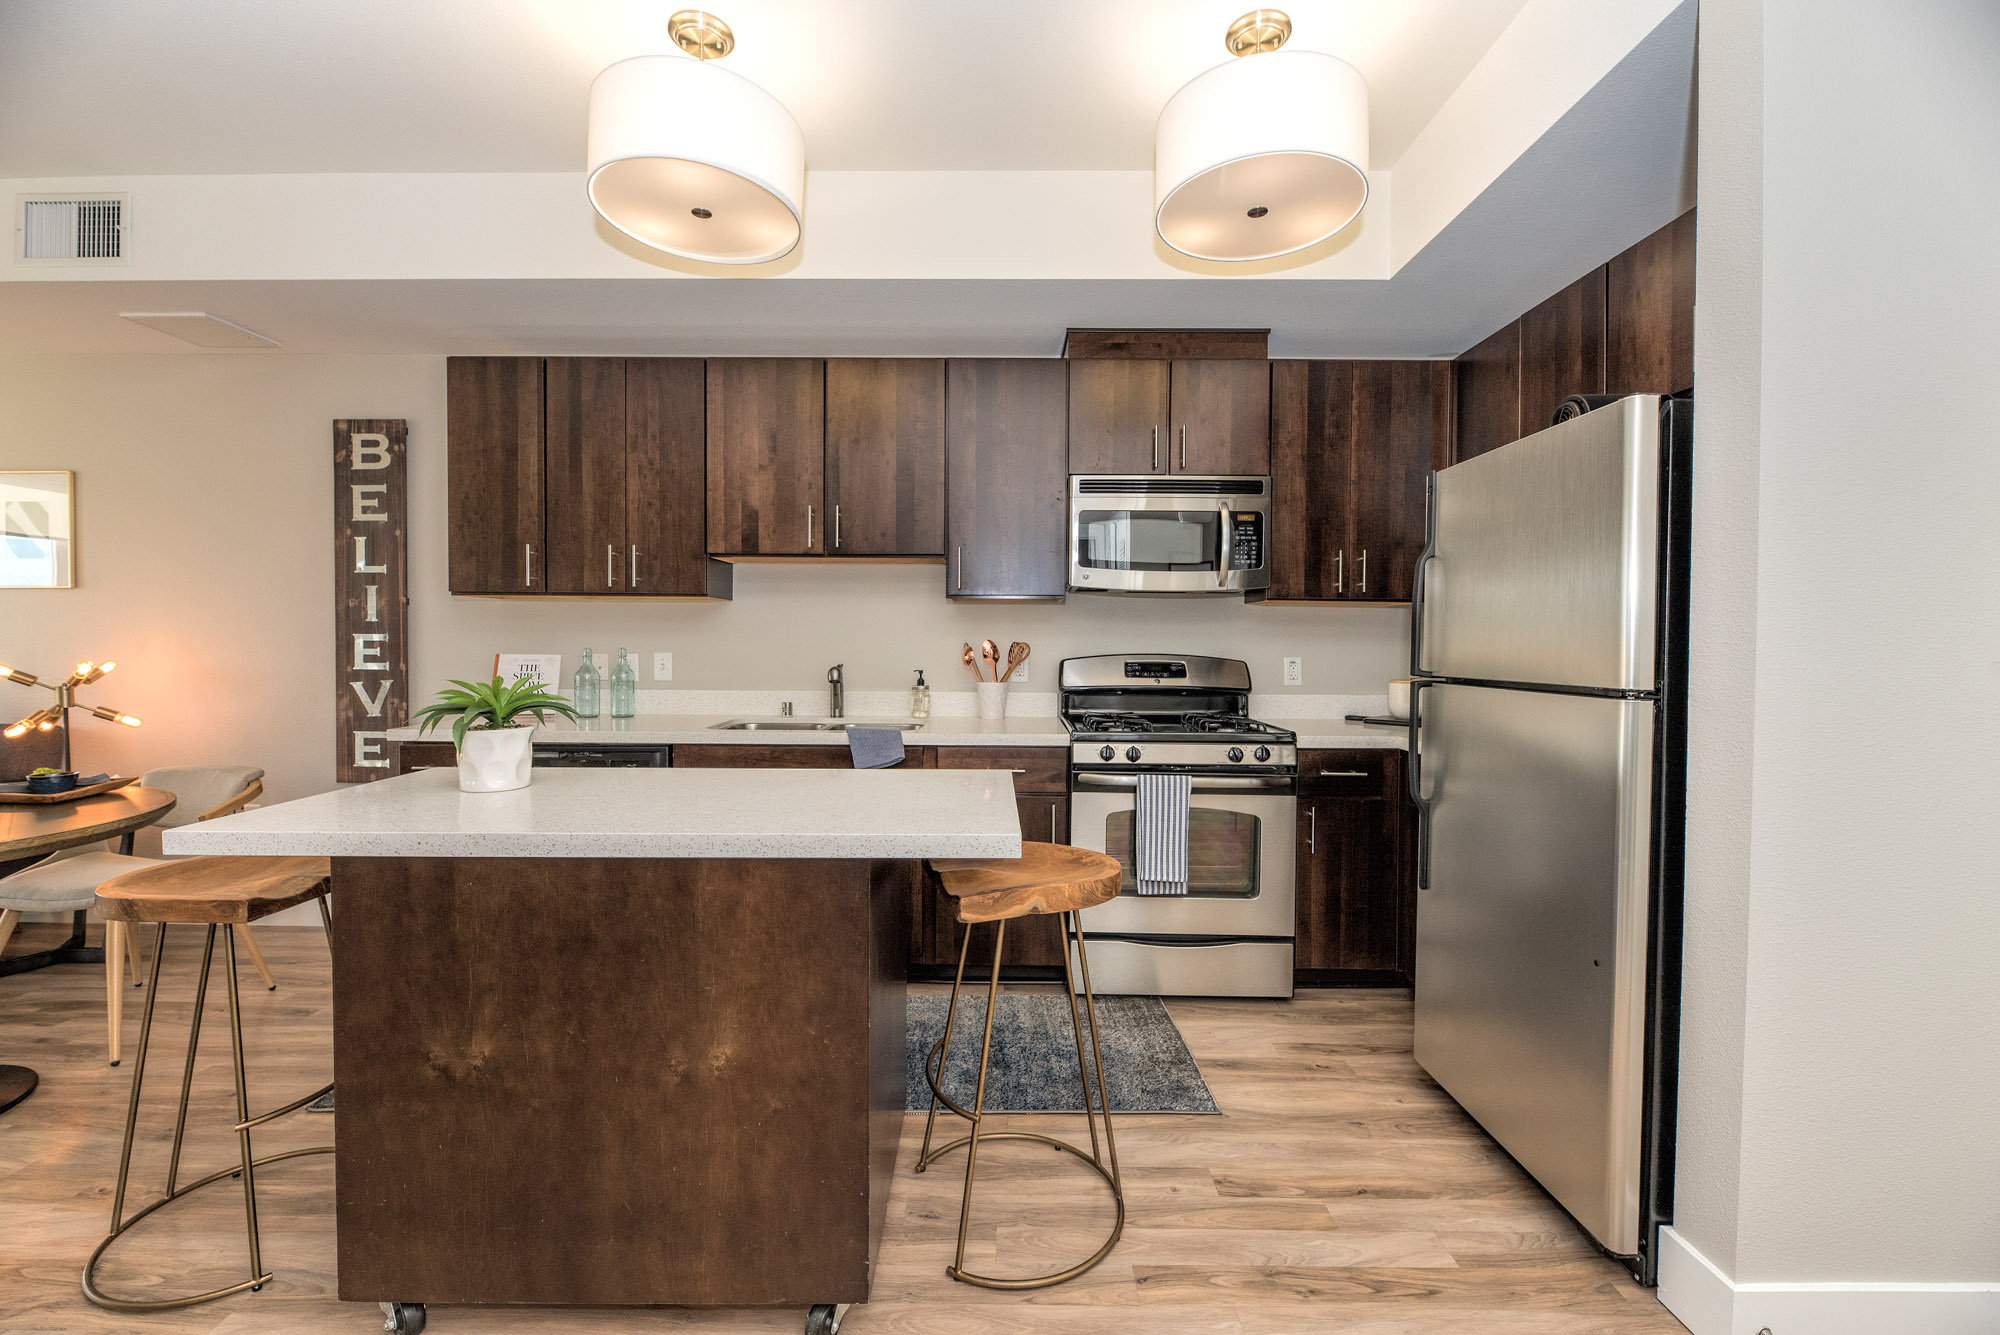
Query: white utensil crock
column 495, row 760
column 1399, row 698
column 992, row 699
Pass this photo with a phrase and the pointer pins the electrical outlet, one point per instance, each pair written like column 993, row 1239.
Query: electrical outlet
column 1020, row 674
column 663, row 667
column 1295, row 672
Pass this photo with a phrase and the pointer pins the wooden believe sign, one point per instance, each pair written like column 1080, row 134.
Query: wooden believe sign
column 371, row 594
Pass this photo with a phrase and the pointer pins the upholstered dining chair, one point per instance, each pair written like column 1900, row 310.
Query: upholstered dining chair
column 67, row 881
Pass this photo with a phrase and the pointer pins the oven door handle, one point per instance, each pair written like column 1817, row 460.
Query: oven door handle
column 1253, row 783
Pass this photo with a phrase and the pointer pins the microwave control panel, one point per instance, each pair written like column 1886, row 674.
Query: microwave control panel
column 1246, row 546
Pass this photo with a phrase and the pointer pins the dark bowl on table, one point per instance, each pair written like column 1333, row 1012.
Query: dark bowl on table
column 52, row 783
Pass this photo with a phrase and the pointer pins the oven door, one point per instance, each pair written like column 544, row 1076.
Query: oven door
column 1137, row 543
column 1241, row 857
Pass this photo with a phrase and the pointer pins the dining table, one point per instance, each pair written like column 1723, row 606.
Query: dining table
column 32, row 831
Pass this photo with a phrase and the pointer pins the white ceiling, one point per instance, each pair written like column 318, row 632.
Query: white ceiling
column 111, row 87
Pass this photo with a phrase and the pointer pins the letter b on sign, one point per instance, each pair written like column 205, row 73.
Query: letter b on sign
column 371, row 449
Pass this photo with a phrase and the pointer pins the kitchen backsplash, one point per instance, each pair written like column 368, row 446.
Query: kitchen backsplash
column 961, row 704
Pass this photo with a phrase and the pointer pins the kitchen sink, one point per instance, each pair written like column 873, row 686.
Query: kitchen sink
column 808, row 725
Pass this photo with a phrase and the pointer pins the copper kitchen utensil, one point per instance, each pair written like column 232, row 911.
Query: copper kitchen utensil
column 1017, row 654
column 971, row 661
column 991, row 653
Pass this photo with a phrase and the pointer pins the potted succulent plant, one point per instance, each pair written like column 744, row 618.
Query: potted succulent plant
column 494, row 750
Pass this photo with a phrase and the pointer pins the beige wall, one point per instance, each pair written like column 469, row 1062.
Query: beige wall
column 205, row 567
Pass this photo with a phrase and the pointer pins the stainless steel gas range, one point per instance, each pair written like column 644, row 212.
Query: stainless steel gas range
column 1231, row 934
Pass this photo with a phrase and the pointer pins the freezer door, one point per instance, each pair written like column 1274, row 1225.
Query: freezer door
column 1531, row 934
column 1544, row 553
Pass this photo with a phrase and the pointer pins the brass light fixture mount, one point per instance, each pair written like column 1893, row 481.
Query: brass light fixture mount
column 1259, row 30
column 706, row 37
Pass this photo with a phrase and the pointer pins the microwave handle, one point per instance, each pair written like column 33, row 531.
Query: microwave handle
column 1222, row 570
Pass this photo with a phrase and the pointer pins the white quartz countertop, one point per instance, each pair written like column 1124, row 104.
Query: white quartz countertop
column 1333, row 734
column 638, row 813
column 699, row 730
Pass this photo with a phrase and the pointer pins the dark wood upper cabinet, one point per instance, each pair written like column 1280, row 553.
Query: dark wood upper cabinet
column 1562, row 350
column 1220, row 414
column 1006, row 478
column 665, row 447
column 1649, row 313
column 493, row 443
column 885, row 456
column 1118, row 415
column 1352, row 445
column 1487, row 392
column 766, row 456
column 584, row 430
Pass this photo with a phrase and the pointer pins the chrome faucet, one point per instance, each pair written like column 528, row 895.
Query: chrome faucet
column 836, row 696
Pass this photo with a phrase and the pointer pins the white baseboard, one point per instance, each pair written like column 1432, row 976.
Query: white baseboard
column 1708, row 1302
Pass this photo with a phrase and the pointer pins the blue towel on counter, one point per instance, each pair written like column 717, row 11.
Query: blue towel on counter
column 875, row 748
column 1160, row 833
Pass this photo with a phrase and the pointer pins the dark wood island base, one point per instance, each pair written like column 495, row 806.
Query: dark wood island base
column 588, row 1081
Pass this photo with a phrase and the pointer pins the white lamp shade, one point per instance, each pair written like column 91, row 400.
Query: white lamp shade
column 671, row 136
column 1282, row 131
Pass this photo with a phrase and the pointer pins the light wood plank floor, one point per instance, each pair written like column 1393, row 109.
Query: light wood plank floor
column 1340, row 1190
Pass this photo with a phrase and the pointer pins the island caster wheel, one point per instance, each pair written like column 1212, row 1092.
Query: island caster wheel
column 404, row 1318
column 824, row 1319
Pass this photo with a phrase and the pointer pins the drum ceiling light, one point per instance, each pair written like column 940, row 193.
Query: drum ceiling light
column 693, row 160
column 1264, row 156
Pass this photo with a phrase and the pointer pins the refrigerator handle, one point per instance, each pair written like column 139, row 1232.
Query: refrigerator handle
column 1417, row 583
column 1416, row 773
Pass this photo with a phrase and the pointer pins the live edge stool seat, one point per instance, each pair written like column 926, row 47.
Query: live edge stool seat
column 226, row 894
column 1046, row 879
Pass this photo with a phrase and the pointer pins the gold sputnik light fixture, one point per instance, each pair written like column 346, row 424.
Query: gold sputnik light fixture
column 45, row 720
column 1264, row 155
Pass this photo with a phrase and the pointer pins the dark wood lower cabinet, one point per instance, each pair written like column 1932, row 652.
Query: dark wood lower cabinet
column 1355, row 888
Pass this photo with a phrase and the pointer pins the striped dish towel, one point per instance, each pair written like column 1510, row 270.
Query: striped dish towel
column 1160, row 833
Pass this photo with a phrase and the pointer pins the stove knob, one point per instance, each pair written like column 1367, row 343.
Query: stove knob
column 1132, row 754
column 1236, row 753
column 1107, row 753
column 1262, row 753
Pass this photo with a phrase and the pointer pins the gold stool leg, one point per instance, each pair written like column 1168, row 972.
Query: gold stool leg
column 1076, row 1027
column 940, row 1053
column 957, row 1269
column 242, row 1109
column 187, row 1073
column 138, row 1079
column 1103, row 1095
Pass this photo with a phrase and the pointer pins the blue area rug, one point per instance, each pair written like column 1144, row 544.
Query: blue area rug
column 1147, row 1065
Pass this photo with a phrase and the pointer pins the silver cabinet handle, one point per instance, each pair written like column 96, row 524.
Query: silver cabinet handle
column 1340, row 571
column 528, row 566
column 1341, row 774
column 961, row 568
column 836, row 526
column 1312, row 829
column 809, row 528
column 1364, row 570
column 1184, row 448
column 610, row 564
column 635, row 566
column 1156, row 449
column 1052, row 822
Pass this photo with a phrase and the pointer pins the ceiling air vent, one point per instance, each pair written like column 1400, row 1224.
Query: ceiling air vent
column 71, row 229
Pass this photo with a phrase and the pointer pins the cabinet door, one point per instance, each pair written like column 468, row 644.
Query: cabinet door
column 493, row 434
column 1486, row 383
column 1649, row 305
column 1350, row 908
column 1312, row 446
column 1562, row 350
column 1006, row 478
column 665, row 446
column 1118, row 415
column 1221, row 416
column 766, row 424
column 1400, row 429
column 885, row 456
column 585, row 432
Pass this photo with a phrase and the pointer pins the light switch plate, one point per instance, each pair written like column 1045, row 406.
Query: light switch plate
column 1295, row 672
column 663, row 667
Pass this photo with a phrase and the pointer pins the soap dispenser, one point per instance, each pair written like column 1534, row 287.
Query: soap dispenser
column 920, row 698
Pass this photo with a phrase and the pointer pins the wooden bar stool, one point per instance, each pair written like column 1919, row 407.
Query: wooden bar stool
column 1046, row 878
column 228, row 893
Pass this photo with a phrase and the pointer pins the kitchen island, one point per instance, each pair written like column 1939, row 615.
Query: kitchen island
column 623, row 1036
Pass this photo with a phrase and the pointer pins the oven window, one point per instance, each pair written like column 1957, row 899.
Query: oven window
column 1222, row 853
column 1150, row 540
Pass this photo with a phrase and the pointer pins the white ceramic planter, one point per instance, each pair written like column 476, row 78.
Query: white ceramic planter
column 495, row 760
column 992, row 699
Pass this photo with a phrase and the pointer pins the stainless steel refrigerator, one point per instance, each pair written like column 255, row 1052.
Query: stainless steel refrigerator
column 1547, row 765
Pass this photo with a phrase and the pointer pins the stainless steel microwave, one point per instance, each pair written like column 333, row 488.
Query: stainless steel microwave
column 1169, row 534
